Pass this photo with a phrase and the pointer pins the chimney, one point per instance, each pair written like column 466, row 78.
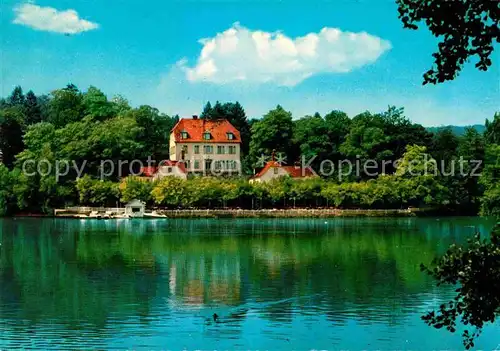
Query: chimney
column 195, row 116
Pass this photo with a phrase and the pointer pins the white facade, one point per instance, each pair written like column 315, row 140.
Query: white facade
column 169, row 171
column 198, row 157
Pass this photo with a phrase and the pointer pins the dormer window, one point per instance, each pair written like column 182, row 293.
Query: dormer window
column 184, row 134
column 207, row 136
column 230, row 136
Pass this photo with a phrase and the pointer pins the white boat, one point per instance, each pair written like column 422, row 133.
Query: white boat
column 154, row 214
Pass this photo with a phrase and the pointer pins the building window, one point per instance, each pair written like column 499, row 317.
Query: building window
column 208, row 164
column 196, row 164
column 230, row 136
column 221, row 149
column 232, row 149
column 184, row 151
column 207, row 136
column 218, row 165
column 184, row 134
column 197, row 149
column 275, row 170
column 169, row 169
column 208, row 149
column 187, row 163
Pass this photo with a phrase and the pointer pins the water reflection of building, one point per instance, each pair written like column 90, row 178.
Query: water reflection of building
column 201, row 279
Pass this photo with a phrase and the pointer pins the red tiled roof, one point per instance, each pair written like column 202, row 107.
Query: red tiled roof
column 196, row 127
column 293, row 171
column 148, row 171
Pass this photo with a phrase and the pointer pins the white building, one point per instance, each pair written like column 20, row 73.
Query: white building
column 206, row 145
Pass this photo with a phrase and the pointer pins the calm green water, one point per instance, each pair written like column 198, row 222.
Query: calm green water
column 346, row 284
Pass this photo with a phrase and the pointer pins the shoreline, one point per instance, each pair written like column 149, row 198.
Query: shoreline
column 262, row 213
column 285, row 213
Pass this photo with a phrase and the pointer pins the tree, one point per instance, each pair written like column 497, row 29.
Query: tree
column 88, row 143
column 155, row 130
column 310, row 135
column 120, row 104
column 402, row 132
column 337, row 124
column 32, row 109
column 5, row 190
column 273, row 132
column 367, row 138
column 490, row 179
column 170, row 191
column 66, row 106
column 16, row 98
column 207, row 111
column 492, row 132
column 97, row 192
column 417, row 178
column 236, row 115
column 471, row 149
column 135, row 188
column 444, row 146
column 467, row 28
column 476, row 271
column 96, row 104
column 11, row 134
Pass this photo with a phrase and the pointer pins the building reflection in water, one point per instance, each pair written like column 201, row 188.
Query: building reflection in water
column 92, row 273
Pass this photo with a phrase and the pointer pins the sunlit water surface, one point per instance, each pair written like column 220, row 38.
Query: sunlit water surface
column 351, row 284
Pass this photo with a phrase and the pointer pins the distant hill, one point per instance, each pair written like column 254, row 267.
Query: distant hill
column 458, row 130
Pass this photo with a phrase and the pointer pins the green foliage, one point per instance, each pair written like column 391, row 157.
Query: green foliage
column 135, row 188
column 154, row 131
column 273, row 132
column 85, row 128
column 311, row 135
column 416, row 162
column 5, row 190
column 465, row 28
column 32, row 109
column 387, row 191
column 97, row 192
column 492, row 132
column 444, row 146
column 366, row 138
column 11, row 133
column 171, row 191
column 66, row 106
column 475, row 269
column 96, row 104
column 490, row 179
column 17, row 97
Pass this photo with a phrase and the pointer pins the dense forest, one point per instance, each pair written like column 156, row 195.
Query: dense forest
column 85, row 127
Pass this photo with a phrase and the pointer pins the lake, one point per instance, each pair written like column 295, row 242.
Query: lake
column 351, row 284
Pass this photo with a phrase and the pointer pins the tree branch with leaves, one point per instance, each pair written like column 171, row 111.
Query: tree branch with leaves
column 475, row 270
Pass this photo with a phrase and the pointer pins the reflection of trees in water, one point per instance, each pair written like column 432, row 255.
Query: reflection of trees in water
column 47, row 282
column 86, row 272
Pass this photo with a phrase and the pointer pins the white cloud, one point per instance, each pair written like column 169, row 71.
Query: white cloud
column 239, row 54
column 51, row 20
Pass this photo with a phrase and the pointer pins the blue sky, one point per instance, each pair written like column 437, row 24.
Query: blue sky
column 261, row 53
